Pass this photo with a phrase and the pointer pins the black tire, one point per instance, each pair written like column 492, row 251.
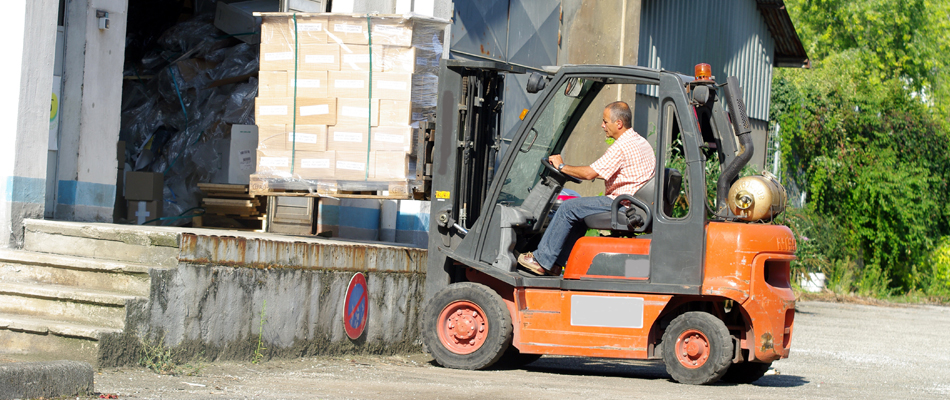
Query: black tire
column 710, row 353
column 746, row 372
column 490, row 329
column 514, row 359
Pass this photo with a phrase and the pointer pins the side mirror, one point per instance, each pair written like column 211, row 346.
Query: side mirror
column 536, row 82
column 701, row 94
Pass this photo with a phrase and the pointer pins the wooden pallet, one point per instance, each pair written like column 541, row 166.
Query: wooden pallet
column 262, row 186
column 231, row 207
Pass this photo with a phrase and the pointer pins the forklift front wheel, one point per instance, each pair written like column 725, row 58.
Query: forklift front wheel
column 697, row 348
column 467, row 326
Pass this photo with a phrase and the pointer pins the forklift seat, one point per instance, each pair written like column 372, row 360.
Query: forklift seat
column 673, row 181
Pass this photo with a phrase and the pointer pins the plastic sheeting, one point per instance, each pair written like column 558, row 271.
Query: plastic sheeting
column 181, row 98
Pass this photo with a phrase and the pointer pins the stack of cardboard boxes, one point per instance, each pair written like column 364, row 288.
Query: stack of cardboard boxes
column 331, row 107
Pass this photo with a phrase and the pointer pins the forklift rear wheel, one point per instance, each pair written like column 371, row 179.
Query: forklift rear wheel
column 467, row 326
column 746, row 372
column 697, row 348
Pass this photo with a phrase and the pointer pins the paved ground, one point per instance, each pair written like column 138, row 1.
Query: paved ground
column 839, row 351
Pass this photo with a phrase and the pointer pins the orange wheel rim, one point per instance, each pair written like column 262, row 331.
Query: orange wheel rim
column 692, row 348
column 463, row 327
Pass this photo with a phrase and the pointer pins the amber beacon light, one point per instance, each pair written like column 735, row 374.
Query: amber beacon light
column 703, row 72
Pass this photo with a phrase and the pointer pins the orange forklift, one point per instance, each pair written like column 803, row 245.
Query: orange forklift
column 698, row 280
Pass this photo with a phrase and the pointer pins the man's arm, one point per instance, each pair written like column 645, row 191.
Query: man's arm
column 581, row 172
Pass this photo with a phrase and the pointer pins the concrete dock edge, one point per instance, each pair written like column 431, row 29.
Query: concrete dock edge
column 28, row 380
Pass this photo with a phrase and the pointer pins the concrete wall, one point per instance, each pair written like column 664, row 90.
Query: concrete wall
column 598, row 32
column 29, row 35
column 92, row 94
column 230, row 292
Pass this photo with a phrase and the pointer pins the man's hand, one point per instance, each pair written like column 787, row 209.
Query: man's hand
column 585, row 172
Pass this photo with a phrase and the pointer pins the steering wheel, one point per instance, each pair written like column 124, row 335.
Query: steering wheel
column 552, row 169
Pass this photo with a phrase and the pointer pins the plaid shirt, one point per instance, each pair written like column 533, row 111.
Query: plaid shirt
column 627, row 165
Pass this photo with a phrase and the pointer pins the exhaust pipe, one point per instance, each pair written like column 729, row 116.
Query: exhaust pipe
column 742, row 128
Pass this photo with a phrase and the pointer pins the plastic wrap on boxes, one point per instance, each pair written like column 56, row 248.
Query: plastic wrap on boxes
column 378, row 75
column 201, row 83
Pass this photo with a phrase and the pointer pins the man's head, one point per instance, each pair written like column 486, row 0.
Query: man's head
column 617, row 119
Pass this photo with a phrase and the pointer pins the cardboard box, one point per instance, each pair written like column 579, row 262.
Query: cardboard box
column 391, row 165
column 354, row 138
column 307, row 138
column 308, row 84
column 347, row 29
column 351, row 165
column 358, row 112
column 277, row 30
column 273, row 110
column 309, row 29
column 392, row 31
column 272, row 84
column 319, row 57
column 395, row 113
column 315, row 165
column 236, row 17
column 273, row 163
column 144, row 186
column 144, row 211
column 242, row 161
column 348, row 84
column 272, row 137
column 392, row 86
column 316, row 111
column 277, row 56
column 354, row 57
column 410, row 60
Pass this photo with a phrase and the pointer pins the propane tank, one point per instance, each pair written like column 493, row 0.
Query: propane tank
column 753, row 198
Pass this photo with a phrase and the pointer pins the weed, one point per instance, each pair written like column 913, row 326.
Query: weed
column 258, row 356
column 157, row 357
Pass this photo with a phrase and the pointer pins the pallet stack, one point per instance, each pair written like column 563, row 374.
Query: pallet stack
column 339, row 96
column 231, row 207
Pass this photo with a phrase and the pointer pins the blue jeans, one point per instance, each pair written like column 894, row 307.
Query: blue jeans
column 566, row 227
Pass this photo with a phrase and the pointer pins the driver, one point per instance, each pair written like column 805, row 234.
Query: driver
column 625, row 167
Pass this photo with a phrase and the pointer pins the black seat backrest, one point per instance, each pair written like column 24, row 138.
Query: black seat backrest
column 673, row 183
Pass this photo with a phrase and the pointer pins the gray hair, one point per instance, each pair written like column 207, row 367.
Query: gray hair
column 621, row 111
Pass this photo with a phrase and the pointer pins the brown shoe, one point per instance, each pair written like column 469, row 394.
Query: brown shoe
column 527, row 261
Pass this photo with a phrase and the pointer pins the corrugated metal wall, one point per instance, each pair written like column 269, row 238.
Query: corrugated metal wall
column 729, row 35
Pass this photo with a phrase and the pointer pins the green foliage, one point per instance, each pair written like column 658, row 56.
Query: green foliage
column 258, row 356
column 161, row 360
column 865, row 135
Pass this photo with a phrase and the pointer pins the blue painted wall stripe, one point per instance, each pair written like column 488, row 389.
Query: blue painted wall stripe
column 81, row 193
column 19, row 189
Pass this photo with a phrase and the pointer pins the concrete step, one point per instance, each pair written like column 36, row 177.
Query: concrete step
column 156, row 246
column 20, row 266
column 28, row 338
column 65, row 303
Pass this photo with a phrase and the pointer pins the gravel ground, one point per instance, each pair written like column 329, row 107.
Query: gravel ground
column 838, row 351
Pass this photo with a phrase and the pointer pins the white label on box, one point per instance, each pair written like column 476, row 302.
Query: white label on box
column 275, row 162
column 287, row 55
column 350, row 165
column 354, row 137
column 319, row 59
column 388, row 30
column 319, row 109
column 315, row 163
column 356, row 58
column 308, row 83
column 349, row 83
column 347, row 28
column 389, row 138
column 310, row 27
column 391, row 85
column 299, row 137
column 273, row 110
column 359, row 112
column 247, row 159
